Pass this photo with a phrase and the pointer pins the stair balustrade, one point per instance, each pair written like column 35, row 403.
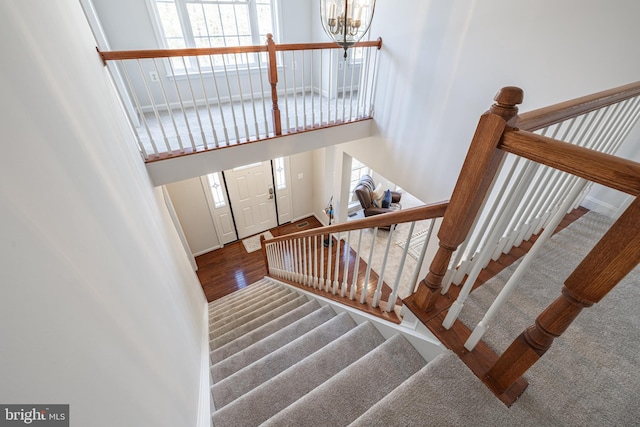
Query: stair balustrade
column 330, row 260
column 182, row 101
column 522, row 175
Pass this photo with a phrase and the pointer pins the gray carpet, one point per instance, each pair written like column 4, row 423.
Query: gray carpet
column 313, row 368
column 294, row 371
column 590, row 377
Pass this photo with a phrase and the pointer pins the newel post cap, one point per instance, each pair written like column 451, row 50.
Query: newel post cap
column 509, row 96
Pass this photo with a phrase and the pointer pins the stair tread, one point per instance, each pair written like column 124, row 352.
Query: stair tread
column 365, row 382
column 253, row 316
column 239, row 304
column 256, row 323
column 250, row 308
column 280, row 391
column 269, row 328
column 407, row 400
column 241, row 293
column 270, row 343
column 269, row 366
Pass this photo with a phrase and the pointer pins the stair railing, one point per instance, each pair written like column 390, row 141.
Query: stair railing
column 350, row 262
column 501, row 199
column 197, row 99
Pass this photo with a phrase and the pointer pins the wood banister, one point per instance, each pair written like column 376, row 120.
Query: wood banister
column 419, row 213
column 478, row 172
column 201, row 51
column 547, row 116
column 613, row 257
column 605, row 169
column 273, row 81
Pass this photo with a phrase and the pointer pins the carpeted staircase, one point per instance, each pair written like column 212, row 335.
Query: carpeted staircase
column 280, row 359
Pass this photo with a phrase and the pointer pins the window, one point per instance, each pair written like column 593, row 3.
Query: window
column 280, row 173
column 216, row 190
column 358, row 170
column 214, row 23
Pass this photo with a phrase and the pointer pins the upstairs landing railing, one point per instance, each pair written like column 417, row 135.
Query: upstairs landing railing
column 522, row 175
column 182, row 101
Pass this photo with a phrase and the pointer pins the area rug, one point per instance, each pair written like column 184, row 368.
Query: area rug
column 252, row 244
column 416, row 243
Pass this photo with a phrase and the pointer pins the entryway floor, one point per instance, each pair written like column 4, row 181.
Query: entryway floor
column 230, row 268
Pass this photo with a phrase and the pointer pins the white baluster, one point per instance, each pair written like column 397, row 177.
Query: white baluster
column 166, row 102
column 347, row 249
column 220, row 109
column 286, row 96
column 356, row 267
column 315, row 261
column 154, row 107
column 513, row 281
column 304, row 96
column 321, row 278
column 231, row 107
column 374, row 83
column 140, row 112
column 336, row 279
column 295, row 88
column 264, row 103
column 243, row 109
column 423, row 251
column 485, row 254
column 329, row 257
column 396, row 284
column 365, row 285
column 206, row 103
column 378, row 291
column 193, row 97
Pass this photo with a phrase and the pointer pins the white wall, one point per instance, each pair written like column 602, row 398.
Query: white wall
column 99, row 305
column 442, row 63
column 191, row 205
column 302, row 188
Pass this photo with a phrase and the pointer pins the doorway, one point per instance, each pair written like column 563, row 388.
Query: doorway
column 252, row 198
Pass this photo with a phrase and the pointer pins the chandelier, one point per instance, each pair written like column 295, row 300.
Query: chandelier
column 346, row 21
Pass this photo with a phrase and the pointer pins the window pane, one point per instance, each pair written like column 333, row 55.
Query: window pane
column 265, row 23
column 281, row 179
column 169, row 20
column 216, row 190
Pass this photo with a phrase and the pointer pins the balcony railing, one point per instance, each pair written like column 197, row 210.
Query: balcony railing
column 184, row 101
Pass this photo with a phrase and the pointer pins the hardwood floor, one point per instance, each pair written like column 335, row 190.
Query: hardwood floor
column 230, row 268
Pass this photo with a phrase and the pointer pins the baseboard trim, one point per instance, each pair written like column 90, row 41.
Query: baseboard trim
column 207, row 250
column 600, row 207
column 204, row 402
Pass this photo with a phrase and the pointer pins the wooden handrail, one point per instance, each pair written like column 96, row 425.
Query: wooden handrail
column 419, row 213
column 169, row 53
column 610, row 171
column 547, row 116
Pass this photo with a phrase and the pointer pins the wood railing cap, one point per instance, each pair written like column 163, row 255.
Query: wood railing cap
column 509, row 96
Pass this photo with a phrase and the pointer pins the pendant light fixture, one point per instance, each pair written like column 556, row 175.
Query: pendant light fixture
column 346, row 21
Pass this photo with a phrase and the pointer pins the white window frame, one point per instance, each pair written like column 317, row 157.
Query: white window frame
column 189, row 39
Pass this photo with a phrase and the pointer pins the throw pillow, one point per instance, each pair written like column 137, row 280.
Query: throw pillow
column 386, row 200
column 376, row 196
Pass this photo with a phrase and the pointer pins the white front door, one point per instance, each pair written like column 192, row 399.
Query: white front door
column 252, row 198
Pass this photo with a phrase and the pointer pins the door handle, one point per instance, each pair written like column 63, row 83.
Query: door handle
column 270, row 193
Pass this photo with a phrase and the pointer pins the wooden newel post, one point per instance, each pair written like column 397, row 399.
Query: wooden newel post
column 478, row 171
column 613, row 257
column 273, row 81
